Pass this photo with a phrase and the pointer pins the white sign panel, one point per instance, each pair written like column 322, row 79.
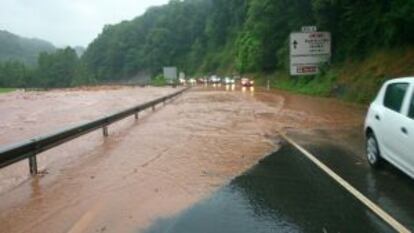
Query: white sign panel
column 308, row 51
column 309, row 29
column 170, row 73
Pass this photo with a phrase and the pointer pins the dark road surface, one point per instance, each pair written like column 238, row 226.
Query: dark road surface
column 285, row 192
column 343, row 151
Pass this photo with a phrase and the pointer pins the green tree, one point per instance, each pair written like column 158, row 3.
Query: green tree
column 13, row 74
column 57, row 69
column 244, row 35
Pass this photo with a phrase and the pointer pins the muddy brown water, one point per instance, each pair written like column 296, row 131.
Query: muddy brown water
column 147, row 169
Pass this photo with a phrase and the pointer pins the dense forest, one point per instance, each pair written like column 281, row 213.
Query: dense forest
column 13, row 47
column 62, row 68
column 202, row 36
column 229, row 36
column 37, row 63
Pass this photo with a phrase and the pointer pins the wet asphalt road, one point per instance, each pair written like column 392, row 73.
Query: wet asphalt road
column 285, row 192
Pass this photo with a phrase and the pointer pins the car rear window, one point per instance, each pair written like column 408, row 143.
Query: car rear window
column 394, row 96
column 411, row 110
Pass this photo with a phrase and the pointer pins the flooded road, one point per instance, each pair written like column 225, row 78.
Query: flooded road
column 200, row 164
column 283, row 193
column 150, row 168
column 24, row 115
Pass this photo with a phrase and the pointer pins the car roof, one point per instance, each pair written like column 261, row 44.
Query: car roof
column 405, row 79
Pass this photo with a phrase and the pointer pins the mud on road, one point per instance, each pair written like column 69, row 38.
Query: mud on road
column 147, row 169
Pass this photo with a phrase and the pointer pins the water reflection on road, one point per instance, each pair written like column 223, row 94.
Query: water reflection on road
column 283, row 193
column 230, row 87
column 248, row 89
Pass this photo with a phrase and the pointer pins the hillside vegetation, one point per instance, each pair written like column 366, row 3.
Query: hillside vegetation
column 61, row 68
column 353, row 80
column 251, row 36
column 16, row 48
column 37, row 63
column 372, row 41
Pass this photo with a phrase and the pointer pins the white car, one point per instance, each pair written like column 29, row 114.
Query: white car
column 215, row 79
column 228, row 81
column 192, row 81
column 389, row 126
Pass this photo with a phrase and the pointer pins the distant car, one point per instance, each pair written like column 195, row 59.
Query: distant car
column 245, row 82
column 389, row 126
column 201, row 80
column 191, row 81
column 214, row 79
column 228, row 81
column 171, row 82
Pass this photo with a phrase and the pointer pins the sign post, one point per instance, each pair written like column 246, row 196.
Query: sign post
column 308, row 50
column 170, row 74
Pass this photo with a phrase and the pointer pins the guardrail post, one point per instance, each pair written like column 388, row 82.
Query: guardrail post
column 105, row 131
column 33, row 164
column 153, row 108
column 136, row 116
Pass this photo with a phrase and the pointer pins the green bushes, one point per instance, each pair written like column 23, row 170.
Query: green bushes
column 6, row 90
column 321, row 85
column 158, row 81
column 354, row 80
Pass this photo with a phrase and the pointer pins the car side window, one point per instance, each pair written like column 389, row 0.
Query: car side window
column 394, row 96
column 411, row 110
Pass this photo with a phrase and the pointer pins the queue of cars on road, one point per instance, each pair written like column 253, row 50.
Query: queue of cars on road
column 389, row 124
column 215, row 80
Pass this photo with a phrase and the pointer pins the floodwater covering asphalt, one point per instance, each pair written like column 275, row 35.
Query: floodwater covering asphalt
column 198, row 164
column 24, row 115
column 148, row 168
column 283, row 193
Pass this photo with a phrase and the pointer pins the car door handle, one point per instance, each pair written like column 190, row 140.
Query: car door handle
column 377, row 117
column 404, row 130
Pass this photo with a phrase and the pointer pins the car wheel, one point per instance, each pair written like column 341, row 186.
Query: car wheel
column 373, row 152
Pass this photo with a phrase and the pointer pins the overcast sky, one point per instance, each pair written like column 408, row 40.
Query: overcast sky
column 67, row 22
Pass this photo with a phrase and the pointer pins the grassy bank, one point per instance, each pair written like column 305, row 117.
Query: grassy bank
column 353, row 80
column 6, row 90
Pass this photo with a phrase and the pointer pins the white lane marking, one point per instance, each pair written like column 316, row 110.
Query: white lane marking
column 358, row 195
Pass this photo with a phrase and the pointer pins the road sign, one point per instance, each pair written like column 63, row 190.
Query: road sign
column 309, row 29
column 170, row 73
column 308, row 51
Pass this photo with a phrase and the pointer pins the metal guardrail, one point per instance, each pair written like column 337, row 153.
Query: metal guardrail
column 29, row 149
